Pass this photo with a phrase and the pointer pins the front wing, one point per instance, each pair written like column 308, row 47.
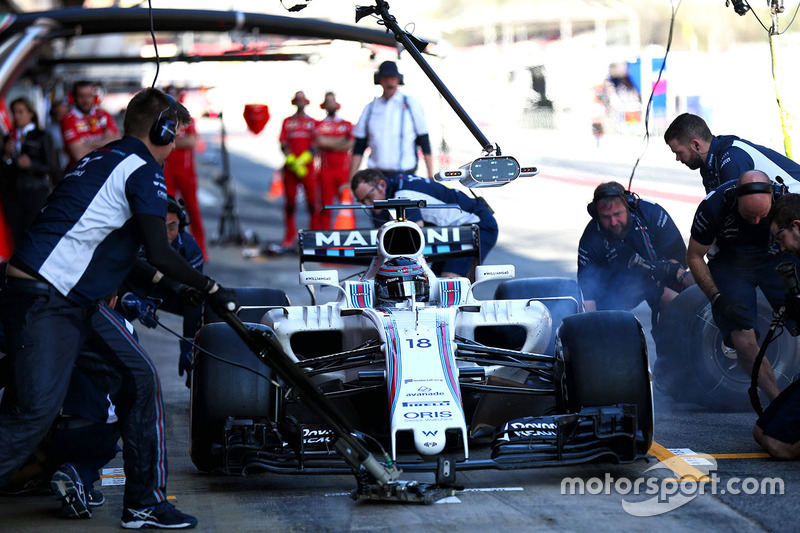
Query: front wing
column 606, row 434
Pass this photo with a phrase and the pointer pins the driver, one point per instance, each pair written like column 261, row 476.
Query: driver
column 401, row 279
column 630, row 251
column 370, row 185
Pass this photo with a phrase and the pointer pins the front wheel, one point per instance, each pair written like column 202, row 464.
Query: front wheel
column 228, row 380
column 602, row 360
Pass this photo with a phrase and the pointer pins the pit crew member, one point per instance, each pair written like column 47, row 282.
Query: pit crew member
column 370, row 185
column 174, row 297
column 777, row 430
column 86, row 127
column 734, row 214
column 630, row 251
column 78, row 251
column 297, row 138
column 334, row 140
column 392, row 126
column 725, row 157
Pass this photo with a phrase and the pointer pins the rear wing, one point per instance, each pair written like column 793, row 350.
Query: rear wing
column 360, row 246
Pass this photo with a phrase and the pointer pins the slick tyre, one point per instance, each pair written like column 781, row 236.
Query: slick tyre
column 253, row 301
column 601, row 359
column 694, row 365
column 228, row 380
column 561, row 296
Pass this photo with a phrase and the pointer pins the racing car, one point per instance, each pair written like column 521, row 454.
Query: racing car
column 417, row 369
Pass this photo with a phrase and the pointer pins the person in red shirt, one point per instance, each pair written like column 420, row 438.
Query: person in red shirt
column 181, row 177
column 86, row 127
column 334, row 140
column 297, row 139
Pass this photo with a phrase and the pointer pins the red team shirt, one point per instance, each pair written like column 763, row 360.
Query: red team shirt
column 298, row 133
column 334, row 127
column 78, row 127
column 181, row 160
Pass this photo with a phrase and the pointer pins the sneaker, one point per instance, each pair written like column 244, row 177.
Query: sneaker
column 161, row 515
column 95, row 498
column 68, row 487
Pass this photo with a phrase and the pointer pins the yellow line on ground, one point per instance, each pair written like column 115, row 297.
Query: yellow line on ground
column 757, row 455
column 675, row 463
column 739, row 455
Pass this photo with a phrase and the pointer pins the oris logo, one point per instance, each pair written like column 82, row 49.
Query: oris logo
column 428, row 414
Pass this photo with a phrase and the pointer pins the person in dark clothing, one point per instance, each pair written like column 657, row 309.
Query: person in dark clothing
column 79, row 250
column 370, row 184
column 172, row 299
column 734, row 217
column 26, row 169
column 777, row 430
column 631, row 251
column 725, row 157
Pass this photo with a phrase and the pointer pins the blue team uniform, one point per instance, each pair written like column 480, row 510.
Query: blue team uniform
column 729, row 157
column 603, row 272
column 85, row 240
column 188, row 248
column 746, row 258
column 472, row 211
column 79, row 250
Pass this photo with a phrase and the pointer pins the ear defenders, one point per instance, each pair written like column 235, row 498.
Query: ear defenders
column 165, row 128
column 614, row 190
column 295, row 100
column 754, row 188
column 179, row 208
column 775, row 189
column 338, row 106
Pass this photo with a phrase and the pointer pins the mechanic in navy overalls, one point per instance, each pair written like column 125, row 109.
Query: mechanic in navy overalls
column 631, row 251
column 778, row 427
column 725, row 157
column 78, row 251
column 734, row 216
column 370, row 185
column 170, row 294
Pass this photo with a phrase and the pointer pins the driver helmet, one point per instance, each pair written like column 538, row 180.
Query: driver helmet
column 401, row 278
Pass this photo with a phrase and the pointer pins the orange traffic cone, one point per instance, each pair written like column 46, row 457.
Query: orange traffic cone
column 276, row 189
column 345, row 218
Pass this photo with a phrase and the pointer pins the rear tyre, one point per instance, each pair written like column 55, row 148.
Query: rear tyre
column 601, row 359
column 561, row 296
column 694, row 365
column 232, row 382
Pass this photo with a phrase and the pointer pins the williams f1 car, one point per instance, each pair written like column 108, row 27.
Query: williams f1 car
column 405, row 371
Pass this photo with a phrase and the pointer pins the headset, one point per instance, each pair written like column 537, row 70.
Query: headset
column 179, row 208
column 612, row 190
column 294, row 99
column 338, row 106
column 776, row 189
column 165, row 128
